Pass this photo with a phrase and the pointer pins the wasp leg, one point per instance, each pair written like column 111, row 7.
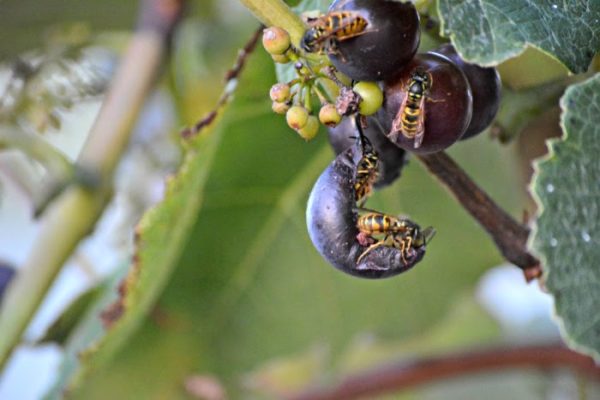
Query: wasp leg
column 333, row 49
column 369, row 249
column 431, row 99
column 405, row 247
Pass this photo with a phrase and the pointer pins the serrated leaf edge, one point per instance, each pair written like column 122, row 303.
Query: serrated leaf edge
column 537, row 166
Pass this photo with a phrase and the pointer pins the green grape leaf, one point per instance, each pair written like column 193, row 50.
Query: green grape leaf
column 567, row 232
column 88, row 329
column 161, row 236
column 488, row 32
column 60, row 330
column 312, row 5
column 250, row 286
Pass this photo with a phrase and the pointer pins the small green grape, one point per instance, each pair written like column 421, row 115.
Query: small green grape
column 329, row 116
column 279, row 107
column 280, row 92
column 276, row 40
column 310, row 129
column 280, row 58
column 296, row 117
column 372, row 97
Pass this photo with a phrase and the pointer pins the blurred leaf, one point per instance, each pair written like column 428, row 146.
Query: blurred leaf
column 160, row 237
column 251, row 288
column 465, row 325
column 567, row 232
column 64, row 325
column 491, row 31
column 283, row 376
column 26, row 22
column 524, row 70
column 312, row 5
column 518, row 108
column 88, row 330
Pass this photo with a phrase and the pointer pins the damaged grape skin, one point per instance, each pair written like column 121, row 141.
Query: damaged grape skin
column 391, row 157
column 331, row 218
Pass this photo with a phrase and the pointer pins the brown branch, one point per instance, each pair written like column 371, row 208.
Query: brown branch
column 509, row 235
column 408, row 374
column 230, row 76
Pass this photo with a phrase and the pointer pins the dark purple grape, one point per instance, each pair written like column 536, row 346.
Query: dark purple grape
column 390, row 39
column 7, row 273
column 391, row 157
column 331, row 218
column 486, row 89
column 442, row 112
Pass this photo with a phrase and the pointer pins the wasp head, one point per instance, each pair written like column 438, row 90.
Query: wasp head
column 310, row 40
column 420, row 81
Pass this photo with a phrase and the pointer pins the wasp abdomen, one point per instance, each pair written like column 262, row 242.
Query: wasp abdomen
column 329, row 28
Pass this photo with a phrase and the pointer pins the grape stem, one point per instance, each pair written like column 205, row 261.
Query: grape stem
column 405, row 375
column 277, row 13
column 509, row 235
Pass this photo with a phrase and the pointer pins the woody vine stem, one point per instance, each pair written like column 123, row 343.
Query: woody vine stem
column 508, row 234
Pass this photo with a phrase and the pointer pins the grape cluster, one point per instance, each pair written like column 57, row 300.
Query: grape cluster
column 380, row 101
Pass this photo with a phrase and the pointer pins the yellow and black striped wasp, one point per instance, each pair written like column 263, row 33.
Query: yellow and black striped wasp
column 367, row 168
column 400, row 233
column 327, row 30
column 410, row 119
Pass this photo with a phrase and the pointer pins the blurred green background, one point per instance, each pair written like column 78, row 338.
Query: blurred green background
column 251, row 305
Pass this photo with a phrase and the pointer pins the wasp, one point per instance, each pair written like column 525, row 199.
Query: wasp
column 410, row 119
column 367, row 171
column 327, row 30
column 400, row 233
column 367, row 168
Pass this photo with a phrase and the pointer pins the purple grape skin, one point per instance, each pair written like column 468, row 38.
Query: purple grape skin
column 486, row 88
column 6, row 275
column 331, row 218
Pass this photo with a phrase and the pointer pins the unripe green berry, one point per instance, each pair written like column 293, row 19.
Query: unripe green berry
column 279, row 107
column 329, row 116
column 276, row 40
column 296, row 117
column 311, row 128
column 372, row 97
column 280, row 92
column 280, row 58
